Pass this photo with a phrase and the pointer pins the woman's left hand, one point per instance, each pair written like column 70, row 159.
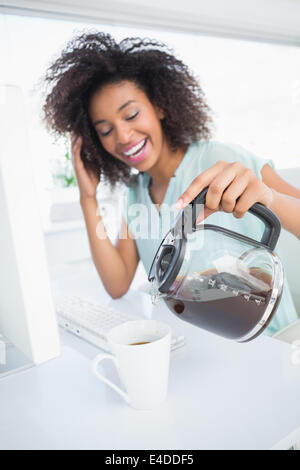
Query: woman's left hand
column 226, row 183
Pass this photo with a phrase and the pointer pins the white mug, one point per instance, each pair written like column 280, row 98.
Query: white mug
column 143, row 368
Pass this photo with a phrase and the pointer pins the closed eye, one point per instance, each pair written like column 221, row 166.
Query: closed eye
column 127, row 119
column 106, row 133
column 132, row 117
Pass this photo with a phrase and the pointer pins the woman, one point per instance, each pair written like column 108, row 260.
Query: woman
column 134, row 106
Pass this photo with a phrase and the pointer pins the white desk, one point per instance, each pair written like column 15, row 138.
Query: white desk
column 222, row 395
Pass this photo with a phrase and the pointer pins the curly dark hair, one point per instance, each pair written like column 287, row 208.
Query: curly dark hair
column 94, row 59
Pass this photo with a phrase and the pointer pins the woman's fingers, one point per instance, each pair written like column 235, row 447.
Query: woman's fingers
column 246, row 200
column 234, row 191
column 231, row 187
column 229, row 198
column 218, row 178
column 199, row 183
column 76, row 144
column 223, row 180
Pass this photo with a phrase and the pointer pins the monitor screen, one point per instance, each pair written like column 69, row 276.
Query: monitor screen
column 27, row 313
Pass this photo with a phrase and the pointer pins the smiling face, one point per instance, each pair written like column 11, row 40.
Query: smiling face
column 128, row 125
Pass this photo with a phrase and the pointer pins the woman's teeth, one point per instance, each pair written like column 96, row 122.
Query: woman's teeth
column 136, row 151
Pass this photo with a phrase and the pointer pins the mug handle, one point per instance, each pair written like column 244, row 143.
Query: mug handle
column 95, row 364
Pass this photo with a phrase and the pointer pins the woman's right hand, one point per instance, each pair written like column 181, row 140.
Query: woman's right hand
column 87, row 181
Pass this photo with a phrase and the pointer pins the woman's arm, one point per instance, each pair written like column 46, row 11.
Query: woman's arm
column 116, row 265
column 286, row 200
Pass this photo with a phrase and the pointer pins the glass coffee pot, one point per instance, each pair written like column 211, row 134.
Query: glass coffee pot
column 217, row 279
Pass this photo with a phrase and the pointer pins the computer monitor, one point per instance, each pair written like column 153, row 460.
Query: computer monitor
column 27, row 313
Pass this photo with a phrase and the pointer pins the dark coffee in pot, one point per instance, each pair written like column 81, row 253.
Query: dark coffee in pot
column 223, row 303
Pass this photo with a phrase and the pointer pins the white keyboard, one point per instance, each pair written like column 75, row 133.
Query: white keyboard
column 92, row 322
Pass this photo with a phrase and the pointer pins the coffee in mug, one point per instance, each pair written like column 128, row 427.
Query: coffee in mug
column 137, row 344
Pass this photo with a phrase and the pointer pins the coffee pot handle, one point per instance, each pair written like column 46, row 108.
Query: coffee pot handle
column 270, row 220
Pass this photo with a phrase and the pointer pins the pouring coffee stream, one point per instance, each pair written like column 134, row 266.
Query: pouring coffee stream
column 218, row 279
